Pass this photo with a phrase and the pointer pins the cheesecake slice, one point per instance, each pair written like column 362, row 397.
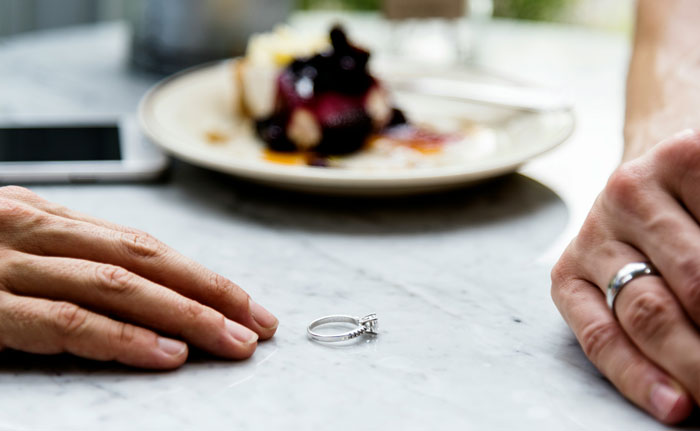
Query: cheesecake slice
column 312, row 94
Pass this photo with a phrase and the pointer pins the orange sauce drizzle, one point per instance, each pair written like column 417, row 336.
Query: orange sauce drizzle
column 285, row 158
column 422, row 140
column 215, row 137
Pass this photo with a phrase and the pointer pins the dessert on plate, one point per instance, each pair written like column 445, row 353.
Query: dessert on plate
column 313, row 101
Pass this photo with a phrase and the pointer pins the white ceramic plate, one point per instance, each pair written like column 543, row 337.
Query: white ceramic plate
column 181, row 113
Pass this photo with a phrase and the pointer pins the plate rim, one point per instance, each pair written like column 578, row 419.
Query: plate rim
column 334, row 178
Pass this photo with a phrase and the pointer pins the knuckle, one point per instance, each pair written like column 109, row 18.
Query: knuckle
column 568, row 294
column 141, row 244
column 560, row 276
column 596, row 336
column 564, row 277
column 17, row 192
column 191, row 310
column 114, row 279
column 649, row 315
column 122, row 334
column 69, row 318
column 626, row 188
column 12, row 212
column 55, row 209
column 13, row 268
column 220, row 288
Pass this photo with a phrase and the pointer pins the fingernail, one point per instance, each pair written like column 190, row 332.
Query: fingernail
column 241, row 333
column 664, row 399
column 262, row 316
column 171, row 347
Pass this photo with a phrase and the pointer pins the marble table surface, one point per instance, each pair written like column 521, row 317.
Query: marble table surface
column 469, row 336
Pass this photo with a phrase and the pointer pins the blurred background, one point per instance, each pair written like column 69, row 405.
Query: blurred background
column 27, row 15
column 170, row 35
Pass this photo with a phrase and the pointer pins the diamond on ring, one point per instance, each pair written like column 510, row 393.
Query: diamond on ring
column 370, row 322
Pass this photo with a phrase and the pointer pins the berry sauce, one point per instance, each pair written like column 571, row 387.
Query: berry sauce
column 333, row 87
column 330, row 91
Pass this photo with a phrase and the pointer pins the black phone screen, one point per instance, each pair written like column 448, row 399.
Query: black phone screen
column 48, row 144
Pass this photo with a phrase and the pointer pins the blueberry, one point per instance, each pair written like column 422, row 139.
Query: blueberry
column 309, row 71
column 347, row 63
column 272, row 131
column 346, row 134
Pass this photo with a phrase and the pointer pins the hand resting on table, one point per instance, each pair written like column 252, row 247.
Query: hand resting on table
column 648, row 212
column 73, row 283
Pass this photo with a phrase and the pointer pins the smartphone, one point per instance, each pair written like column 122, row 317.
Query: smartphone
column 76, row 150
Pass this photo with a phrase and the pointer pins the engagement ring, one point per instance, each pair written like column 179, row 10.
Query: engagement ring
column 364, row 325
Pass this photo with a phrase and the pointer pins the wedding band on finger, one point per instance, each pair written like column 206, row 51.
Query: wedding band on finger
column 628, row 273
column 363, row 325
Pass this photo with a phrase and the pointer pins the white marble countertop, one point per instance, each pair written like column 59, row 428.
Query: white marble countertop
column 469, row 336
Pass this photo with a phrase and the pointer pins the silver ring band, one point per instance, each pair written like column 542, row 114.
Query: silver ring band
column 364, row 325
column 628, row 273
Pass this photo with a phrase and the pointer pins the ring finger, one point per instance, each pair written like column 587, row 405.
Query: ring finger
column 650, row 314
